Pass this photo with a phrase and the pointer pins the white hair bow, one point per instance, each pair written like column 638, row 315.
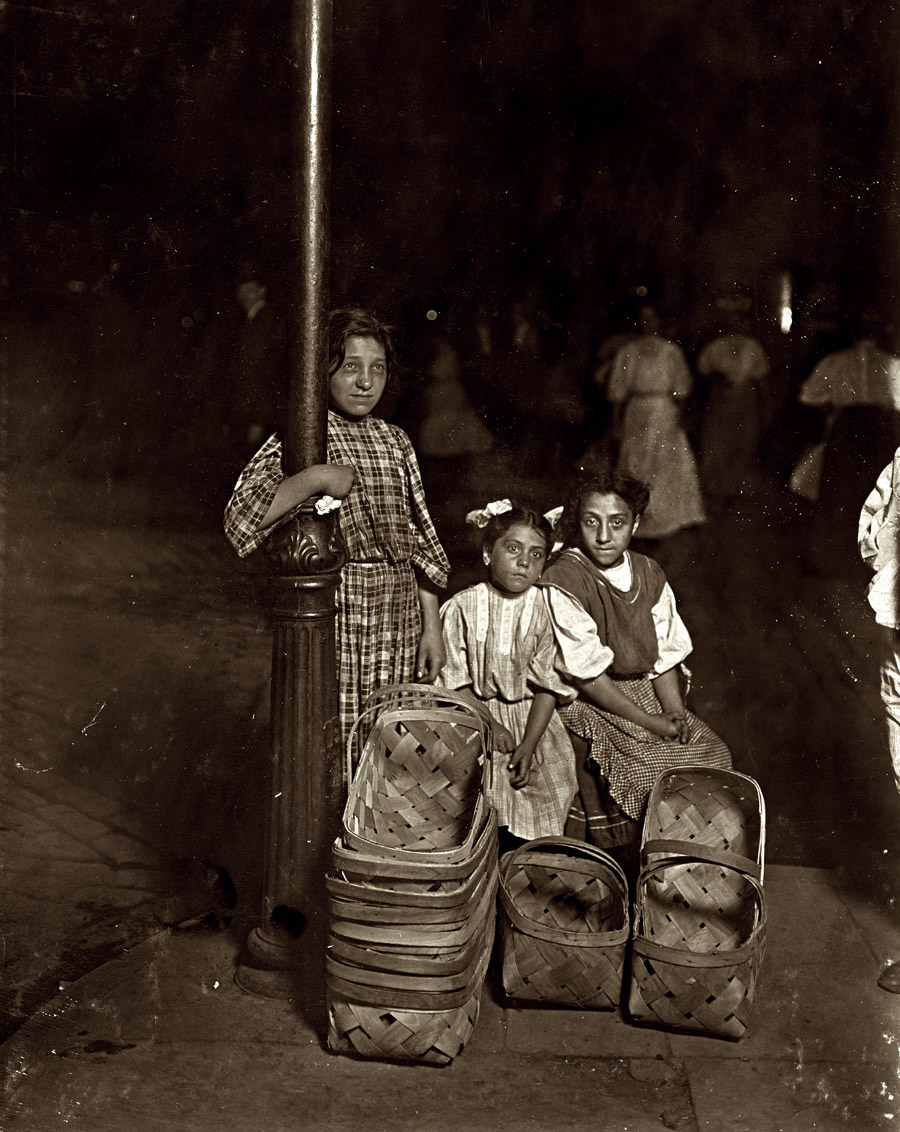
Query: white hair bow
column 489, row 511
column 553, row 517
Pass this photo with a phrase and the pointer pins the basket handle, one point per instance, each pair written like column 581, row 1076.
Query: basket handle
column 692, row 850
column 696, row 959
column 570, row 844
column 649, row 871
column 557, row 935
column 397, row 693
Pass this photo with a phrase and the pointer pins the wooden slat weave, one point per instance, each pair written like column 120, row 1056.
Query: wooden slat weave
column 434, row 990
column 418, row 782
column 429, row 1037
column 699, row 930
column 707, row 807
column 564, row 924
column 410, row 872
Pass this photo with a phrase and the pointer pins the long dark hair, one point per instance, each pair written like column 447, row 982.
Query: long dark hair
column 354, row 322
column 603, row 479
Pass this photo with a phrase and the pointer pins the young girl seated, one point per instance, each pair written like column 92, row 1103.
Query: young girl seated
column 623, row 644
column 500, row 655
column 388, row 628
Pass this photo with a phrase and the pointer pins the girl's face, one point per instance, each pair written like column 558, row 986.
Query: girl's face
column 356, row 386
column 516, row 558
column 606, row 525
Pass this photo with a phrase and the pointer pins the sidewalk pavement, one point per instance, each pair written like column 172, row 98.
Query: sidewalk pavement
column 161, row 1037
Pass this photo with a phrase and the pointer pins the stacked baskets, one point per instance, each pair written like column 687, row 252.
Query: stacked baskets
column 412, row 892
column 700, row 920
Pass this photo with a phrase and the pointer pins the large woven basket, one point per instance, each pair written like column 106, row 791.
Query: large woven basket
column 700, row 917
column 564, row 925
column 417, row 790
column 413, row 885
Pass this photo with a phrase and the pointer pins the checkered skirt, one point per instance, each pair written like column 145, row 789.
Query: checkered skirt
column 379, row 623
column 631, row 758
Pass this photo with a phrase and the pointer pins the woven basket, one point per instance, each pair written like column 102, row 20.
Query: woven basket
column 408, row 876
column 391, row 1034
column 391, row 928
column 691, row 807
column 700, row 916
column 413, row 888
column 417, row 791
column 413, row 990
column 564, row 928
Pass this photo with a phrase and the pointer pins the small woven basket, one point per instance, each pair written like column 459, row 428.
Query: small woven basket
column 417, row 790
column 700, row 916
column 692, row 807
column 564, row 928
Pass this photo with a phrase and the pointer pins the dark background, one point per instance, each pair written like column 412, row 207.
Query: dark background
column 484, row 155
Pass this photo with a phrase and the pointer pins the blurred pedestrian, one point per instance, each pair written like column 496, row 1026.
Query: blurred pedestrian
column 259, row 375
column 735, row 365
column 857, row 391
column 449, row 424
column 649, row 379
column 879, row 547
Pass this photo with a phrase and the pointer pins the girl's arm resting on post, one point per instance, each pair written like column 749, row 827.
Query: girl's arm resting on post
column 318, row 479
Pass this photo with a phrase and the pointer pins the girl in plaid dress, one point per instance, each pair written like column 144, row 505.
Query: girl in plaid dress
column 388, row 626
column 622, row 643
column 501, row 655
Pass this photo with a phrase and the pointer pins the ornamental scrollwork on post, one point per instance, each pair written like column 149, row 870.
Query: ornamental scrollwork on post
column 305, row 543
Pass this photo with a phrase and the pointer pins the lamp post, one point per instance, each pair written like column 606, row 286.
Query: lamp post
column 284, row 953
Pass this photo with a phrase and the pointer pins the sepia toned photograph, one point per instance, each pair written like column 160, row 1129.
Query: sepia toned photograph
column 450, row 566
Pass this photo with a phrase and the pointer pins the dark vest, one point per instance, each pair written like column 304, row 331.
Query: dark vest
column 624, row 618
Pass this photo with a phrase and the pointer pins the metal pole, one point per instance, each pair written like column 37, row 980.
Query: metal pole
column 284, row 954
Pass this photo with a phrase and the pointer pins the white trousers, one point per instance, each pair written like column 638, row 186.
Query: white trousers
column 890, row 695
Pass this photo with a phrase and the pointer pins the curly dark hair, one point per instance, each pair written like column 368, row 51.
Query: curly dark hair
column 520, row 515
column 603, row 479
column 350, row 322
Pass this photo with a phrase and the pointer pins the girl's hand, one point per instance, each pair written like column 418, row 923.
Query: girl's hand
column 520, row 767
column 430, row 656
column 665, row 725
column 502, row 739
column 680, row 720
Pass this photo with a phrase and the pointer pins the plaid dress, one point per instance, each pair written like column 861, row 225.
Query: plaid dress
column 390, row 540
column 633, row 635
column 503, row 649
